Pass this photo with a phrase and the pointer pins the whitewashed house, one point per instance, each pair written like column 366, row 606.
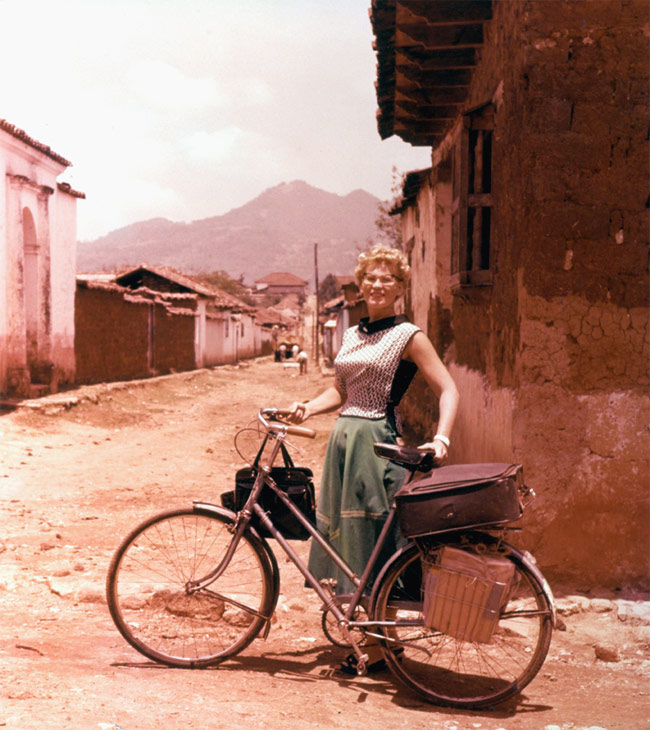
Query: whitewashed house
column 37, row 266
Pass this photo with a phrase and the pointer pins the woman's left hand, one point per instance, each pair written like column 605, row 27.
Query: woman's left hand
column 437, row 448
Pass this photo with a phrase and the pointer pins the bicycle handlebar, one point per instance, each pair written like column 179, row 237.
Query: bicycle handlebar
column 273, row 413
column 299, row 431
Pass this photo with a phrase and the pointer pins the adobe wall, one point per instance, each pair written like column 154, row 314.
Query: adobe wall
column 552, row 360
column 173, row 341
column 111, row 341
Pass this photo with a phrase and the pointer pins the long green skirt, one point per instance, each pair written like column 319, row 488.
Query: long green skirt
column 356, row 492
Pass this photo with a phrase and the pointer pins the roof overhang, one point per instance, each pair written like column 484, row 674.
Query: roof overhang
column 426, row 52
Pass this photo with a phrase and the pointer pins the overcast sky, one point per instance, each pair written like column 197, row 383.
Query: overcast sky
column 185, row 109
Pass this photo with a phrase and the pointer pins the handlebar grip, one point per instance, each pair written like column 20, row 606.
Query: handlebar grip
column 301, row 431
column 282, row 412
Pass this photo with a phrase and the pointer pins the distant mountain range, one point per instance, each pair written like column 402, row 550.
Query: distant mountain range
column 274, row 232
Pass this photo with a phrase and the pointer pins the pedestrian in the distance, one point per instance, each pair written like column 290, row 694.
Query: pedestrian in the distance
column 302, row 361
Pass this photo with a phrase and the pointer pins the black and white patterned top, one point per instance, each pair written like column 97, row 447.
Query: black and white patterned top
column 369, row 368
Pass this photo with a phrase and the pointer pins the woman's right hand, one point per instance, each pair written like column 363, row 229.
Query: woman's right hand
column 299, row 412
column 327, row 401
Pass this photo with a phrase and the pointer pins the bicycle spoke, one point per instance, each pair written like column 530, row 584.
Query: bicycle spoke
column 453, row 671
column 156, row 612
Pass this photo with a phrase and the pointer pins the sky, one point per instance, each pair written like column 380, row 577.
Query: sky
column 185, row 109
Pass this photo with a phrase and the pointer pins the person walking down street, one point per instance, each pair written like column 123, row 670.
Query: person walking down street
column 302, row 361
column 375, row 365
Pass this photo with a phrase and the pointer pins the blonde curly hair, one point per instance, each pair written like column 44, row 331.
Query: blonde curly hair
column 379, row 254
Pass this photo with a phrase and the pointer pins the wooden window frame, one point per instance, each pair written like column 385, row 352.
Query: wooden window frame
column 472, row 246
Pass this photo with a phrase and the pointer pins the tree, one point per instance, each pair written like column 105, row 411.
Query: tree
column 390, row 226
column 329, row 289
column 225, row 282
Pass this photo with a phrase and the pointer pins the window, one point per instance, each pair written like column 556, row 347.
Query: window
column 471, row 241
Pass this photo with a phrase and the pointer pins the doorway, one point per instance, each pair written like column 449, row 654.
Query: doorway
column 31, row 288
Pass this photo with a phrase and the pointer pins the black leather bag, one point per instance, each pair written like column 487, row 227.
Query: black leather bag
column 295, row 481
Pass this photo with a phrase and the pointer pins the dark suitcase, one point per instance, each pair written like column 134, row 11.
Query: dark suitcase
column 461, row 495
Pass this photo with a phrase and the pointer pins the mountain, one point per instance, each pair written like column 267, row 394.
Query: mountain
column 275, row 231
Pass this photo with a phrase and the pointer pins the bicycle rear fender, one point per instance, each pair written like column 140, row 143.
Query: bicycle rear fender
column 529, row 561
column 522, row 556
column 209, row 508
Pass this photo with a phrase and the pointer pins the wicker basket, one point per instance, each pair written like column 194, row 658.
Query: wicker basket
column 464, row 593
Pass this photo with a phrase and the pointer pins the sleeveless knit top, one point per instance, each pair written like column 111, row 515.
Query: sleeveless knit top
column 369, row 368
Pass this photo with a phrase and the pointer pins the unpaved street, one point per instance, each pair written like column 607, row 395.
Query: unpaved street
column 75, row 477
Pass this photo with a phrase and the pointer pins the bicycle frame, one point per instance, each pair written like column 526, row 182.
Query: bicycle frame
column 278, row 433
column 174, row 614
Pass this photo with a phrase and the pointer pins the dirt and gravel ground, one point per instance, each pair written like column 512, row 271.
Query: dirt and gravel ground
column 78, row 470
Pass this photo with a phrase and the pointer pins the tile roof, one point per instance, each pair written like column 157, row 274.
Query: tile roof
column 263, row 315
column 220, row 299
column 281, row 278
column 64, row 187
column 170, row 274
column 413, row 181
column 20, row 134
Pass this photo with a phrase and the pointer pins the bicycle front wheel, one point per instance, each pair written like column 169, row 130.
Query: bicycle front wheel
column 153, row 606
column 451, row 671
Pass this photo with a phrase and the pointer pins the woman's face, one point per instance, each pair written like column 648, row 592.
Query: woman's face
column 380, row 289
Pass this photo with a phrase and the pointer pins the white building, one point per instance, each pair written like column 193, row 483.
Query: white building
column 37, row 266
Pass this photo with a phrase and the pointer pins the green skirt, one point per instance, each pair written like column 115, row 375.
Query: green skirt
column 356, row 492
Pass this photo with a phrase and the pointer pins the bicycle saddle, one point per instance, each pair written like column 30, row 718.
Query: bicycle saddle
column 407, row 456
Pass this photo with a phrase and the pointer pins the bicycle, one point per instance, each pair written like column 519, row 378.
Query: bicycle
column 192, row 587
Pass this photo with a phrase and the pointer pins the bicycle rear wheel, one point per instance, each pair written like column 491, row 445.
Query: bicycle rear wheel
column 155, row 612
column 450, row 671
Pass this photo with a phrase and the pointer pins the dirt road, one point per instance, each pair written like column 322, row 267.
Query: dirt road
column 80, row 469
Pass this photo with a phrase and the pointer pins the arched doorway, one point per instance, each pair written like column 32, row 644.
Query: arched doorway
column 31, row 287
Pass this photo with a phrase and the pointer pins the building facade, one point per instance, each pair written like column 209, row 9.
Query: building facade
column 37, row 266
column 281, row 283
column 527, row 239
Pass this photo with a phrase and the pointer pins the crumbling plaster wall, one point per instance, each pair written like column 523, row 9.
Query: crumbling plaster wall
column 552, row 360
column 62, row 272
column 29, row 183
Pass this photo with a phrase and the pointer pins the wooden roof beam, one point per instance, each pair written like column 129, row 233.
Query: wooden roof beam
column 426, row 111
column 456, row 58
column 439, row 37
column 433, row 95
column 443, row 12
column 420, row 126
column 444, row 77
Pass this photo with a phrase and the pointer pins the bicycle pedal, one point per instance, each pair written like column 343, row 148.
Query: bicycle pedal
column 362, row 665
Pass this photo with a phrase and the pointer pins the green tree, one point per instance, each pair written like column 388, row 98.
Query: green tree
column 389, row 226
column 329, row 289
column 225, row 282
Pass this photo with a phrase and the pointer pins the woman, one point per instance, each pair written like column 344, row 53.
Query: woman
column 373, row 369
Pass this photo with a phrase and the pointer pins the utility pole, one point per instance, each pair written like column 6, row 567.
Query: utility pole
column 316, row 307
